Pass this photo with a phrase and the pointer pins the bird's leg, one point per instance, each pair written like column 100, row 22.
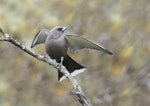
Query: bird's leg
column 62, row 59
column 61, row 62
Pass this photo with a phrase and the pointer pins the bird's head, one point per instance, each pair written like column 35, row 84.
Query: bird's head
column 42, row 35
column 58, row 31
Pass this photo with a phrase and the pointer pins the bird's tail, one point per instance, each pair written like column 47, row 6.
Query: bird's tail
column 73, row 67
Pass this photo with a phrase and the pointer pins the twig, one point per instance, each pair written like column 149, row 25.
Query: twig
column 77, row 89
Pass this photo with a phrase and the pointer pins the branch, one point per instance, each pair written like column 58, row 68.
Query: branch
column 76, row 87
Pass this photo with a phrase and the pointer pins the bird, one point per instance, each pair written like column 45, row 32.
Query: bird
column 57, row 44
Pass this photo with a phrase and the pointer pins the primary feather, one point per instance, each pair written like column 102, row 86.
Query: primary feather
column 40, row 37
column 77, row 42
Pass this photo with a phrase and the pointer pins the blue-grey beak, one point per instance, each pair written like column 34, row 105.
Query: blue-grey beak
column 64, row 28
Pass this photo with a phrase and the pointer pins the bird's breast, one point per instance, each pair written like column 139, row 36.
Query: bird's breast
column 56, row 48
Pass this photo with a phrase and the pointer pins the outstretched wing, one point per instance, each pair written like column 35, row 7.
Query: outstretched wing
column 77, row 42
column 40, row 37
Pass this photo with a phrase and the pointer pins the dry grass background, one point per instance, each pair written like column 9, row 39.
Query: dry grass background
column 122, row 26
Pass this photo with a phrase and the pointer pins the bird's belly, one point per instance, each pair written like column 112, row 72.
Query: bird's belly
column 57, row 53
column 56, row 50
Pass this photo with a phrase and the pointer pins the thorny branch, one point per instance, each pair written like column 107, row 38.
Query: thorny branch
column 77, row 89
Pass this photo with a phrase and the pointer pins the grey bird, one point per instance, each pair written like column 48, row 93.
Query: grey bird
column 57, row 44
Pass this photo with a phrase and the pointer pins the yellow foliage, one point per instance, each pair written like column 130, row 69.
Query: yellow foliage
column 117, row 69
column 93, row 3
column 125, row 92
column 3, row 86
column 33, row 76
column 147, row 28
column 59, row 91
column 69, row 2
column 116, row 22
column 67, row 84
column 68, row 18
column 19, row 59
column 126, row 53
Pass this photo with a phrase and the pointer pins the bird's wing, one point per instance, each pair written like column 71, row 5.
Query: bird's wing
column 77, row 42
column 40, row 37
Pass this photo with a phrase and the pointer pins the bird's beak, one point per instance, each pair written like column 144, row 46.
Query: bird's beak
column 64, row 28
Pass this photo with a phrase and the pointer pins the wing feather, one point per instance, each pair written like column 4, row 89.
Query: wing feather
column 40, row 37
column 77, row 42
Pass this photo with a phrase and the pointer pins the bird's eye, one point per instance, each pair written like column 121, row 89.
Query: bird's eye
column 59, row 29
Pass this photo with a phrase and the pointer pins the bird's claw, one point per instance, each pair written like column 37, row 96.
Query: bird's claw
column 58, row 66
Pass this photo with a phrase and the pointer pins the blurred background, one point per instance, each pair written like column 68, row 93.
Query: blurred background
column 121, row 26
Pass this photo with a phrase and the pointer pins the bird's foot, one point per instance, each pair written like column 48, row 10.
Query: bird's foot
column 59, row 66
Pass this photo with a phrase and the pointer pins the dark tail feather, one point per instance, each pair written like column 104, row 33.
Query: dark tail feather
column 73, row 67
